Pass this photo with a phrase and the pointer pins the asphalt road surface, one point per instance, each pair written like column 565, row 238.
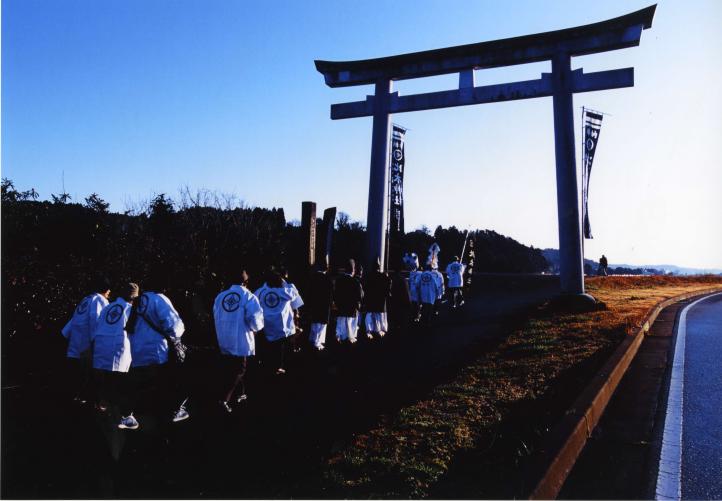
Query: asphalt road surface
column 275, row 444
column 702, row 403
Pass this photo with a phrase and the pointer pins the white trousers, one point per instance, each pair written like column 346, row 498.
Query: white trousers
column 377, row 322
column 347, row 328
column 318, row 335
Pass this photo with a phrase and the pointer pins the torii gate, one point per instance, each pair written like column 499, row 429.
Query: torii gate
column 555, row 46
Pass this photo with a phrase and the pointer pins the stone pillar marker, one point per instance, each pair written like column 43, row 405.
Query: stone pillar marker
column 308, row 228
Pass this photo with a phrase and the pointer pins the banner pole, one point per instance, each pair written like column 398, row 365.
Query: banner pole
column 584, row 170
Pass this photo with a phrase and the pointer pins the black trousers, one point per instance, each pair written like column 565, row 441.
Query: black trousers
column 114, row 388
column 79, row 382
column 234, row 369
column 158, row 388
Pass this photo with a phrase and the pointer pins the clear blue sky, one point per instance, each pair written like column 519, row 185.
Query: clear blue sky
column 128, row 98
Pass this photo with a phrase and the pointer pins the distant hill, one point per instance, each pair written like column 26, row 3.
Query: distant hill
column 590, row 266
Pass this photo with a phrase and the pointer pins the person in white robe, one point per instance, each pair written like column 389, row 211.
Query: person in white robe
column 412, row 264
column 278, row 302
column 455, row 275
column 78, row 332
column 429, row 291
column 237, row 315
column 112, row 354
column 296, row 305
column 156, row 324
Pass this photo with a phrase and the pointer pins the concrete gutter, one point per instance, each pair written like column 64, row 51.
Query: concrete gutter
column 567, row 440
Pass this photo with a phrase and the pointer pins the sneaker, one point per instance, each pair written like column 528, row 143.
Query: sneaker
column 461, row 303
column 280, row 370
column 180, row 415
column 241, row 398
column 80, row 400
column 225, row 406
column 128, row 423
column 370, row 336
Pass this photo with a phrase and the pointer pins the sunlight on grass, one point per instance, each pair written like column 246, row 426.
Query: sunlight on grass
column 406, row 455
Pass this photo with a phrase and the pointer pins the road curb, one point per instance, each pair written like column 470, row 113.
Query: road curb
column 568, row 438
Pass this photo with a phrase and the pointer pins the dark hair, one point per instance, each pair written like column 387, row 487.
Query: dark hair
column 274, row 279
column 100, row 284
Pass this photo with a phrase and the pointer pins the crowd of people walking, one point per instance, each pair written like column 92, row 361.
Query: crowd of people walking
column 116, row 349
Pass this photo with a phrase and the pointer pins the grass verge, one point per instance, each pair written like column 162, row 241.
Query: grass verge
column 470, row 437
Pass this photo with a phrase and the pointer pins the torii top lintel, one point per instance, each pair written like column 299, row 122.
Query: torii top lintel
column 618, row 33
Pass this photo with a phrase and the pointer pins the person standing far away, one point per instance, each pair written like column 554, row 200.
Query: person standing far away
column 429, row 292
column 377, row 290
column 347, row 297
column 455, row 274
column 439, row 279
column 78, row 332
column 603, row 266
column 238, row 316
column 296, row 307
column 112, row 354
column 318, row 305
column 412, row 264
column 278, row 302
column 400, row 303
column 155, row 325
column 358, row 274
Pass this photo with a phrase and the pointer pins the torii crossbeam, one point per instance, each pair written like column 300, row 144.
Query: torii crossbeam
column 555, row 46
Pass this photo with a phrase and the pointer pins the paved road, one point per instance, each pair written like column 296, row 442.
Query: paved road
column 275, row 447
column 702, row 407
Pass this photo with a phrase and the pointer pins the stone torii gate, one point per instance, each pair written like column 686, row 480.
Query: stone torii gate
column 555, row 46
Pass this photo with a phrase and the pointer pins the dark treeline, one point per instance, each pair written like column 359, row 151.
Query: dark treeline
column 51, row 251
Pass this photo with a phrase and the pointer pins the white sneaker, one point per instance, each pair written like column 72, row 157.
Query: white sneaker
column 225, row 406
column 180, row 415
column 128, row 423
column 241, row 398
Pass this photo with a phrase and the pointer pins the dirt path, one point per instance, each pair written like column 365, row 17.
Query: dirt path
column 275, row 445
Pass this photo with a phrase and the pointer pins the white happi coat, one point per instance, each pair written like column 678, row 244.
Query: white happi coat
column 439, row 278
column 238, row 315
column 155, row 313
column 111, row 347
column 455, row 273
column 81, row 326
column 298, row 302
column 278, row 304
column 428, row 287
column 414, row 277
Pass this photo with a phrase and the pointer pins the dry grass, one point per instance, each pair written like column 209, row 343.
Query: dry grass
column 409, row 454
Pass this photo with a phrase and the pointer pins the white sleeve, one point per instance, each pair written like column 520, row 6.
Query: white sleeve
column 168, row 318
column 66, row 330
column 253, row 313
column 296, row 302
column 96, row 306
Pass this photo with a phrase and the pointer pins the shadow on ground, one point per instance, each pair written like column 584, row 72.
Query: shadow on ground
column 273, row 446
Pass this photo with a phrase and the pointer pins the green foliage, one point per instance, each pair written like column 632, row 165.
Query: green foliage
column 96, row 204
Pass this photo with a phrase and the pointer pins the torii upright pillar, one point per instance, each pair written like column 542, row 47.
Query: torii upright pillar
column 571, row 255
column 377, row 215
column 561, row 84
